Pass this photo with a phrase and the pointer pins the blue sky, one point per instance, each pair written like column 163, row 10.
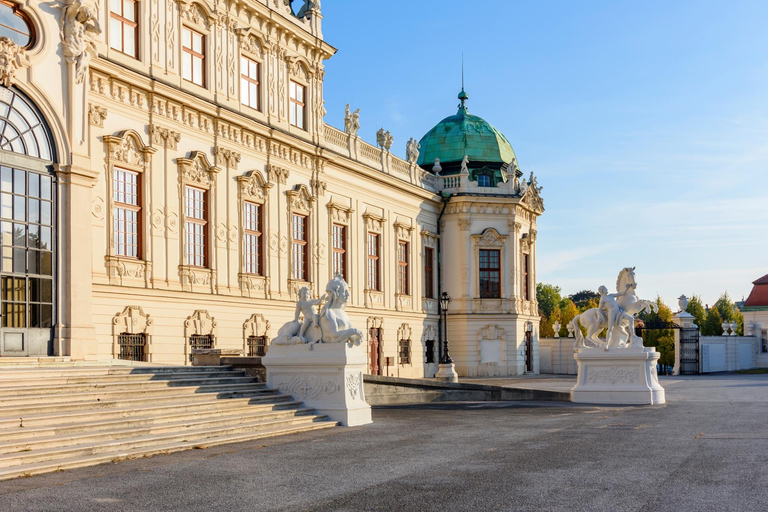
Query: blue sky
column 646, row 122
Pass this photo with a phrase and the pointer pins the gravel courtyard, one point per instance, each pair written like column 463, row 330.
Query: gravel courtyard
column 706, row 449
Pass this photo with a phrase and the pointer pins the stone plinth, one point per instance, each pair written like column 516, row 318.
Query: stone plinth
column 618, row 376
column 212, row 356
column 447, row 373
column 326, row 376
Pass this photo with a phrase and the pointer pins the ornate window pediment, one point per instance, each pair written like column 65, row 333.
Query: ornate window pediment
column 197, row 169
column 128, row 148
column 489, row 238
column 256, row 325
column 252, row 41
column 300, row 199
column 132, row 320
column 403, row 229
column 200, row 323
column 253, row 186
column 299, row 67
column 196, row 13
column 340, row 213
column 374, row 222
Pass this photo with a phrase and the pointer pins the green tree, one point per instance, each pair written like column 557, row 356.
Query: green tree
column 696, row 308
column 584, row 299
column 713, row 323
column 662, row 339
column 568, row 310
column 549, row 299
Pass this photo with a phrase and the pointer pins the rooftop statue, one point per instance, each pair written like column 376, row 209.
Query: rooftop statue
column 615, row 314
column 351, row 121
column 330, row 325
column 412, row 148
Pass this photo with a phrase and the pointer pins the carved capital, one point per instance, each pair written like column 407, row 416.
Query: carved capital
column 96, row 114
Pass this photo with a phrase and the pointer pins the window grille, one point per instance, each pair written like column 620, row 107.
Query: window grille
column 257, row 346
column 429, row 351
column 132, row 347
column 200, row 341
column 405, row 351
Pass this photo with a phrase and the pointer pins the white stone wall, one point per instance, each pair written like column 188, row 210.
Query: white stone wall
column 727, row 353
column 556, row 356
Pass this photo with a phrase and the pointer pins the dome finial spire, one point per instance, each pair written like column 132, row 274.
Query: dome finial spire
column 463, row 96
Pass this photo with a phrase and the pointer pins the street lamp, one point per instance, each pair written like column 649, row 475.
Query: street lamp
column 446, row 369
column 445, row 300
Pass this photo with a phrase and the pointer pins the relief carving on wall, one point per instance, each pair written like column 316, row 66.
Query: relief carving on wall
column 308, row 387
column 96, row 114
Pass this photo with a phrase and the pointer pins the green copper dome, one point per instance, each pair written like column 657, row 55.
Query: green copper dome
column 465, row 134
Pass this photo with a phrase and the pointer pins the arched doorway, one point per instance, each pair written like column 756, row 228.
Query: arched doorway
column 27, row 229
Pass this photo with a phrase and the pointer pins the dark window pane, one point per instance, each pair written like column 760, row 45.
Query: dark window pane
column 19, row 182
column 19, row 208
column 46, row 315
column 19, row 261
column 19, row 235
column 34, row 289
column 45, row 187
column 33, row 236
column 20, row 311
column 45, row 238
column 34, row 210
column 33, row 262
column 46, row 290
column 34, row 315
column 7, row 314
column 46, row 265
column 34, row 185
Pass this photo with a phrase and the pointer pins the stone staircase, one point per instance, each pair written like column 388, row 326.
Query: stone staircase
column 57, row 415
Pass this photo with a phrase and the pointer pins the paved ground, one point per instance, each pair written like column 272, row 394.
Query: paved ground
column 704, row 450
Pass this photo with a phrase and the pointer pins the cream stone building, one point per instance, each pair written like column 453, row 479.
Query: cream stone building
column 168, row 182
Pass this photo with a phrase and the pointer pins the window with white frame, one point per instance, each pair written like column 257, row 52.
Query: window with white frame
column 297, row 104
column 193, row 56
column 299, row 251
column 127, row 212
column 252, row 234
column 124, row 26
column 196, row 250
column 250, row 85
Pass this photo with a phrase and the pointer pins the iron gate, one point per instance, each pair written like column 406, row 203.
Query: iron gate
column 689, row 345
column 132, row 347
column 689, row 351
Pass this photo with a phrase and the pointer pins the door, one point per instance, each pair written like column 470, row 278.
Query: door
column 528, row 351
column 26, row 268
column 375, row 351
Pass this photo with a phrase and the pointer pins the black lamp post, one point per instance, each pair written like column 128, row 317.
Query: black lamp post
column 445, row 299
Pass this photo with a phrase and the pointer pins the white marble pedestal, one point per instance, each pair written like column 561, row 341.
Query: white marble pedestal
column 447, row 373
column 326, row 376
column 617, row 376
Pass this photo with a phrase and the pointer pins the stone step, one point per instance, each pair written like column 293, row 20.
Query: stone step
column 19, row 410
column 128, row 377
column 110, row 392
column 121, row 386
column 151, row 417
column 212, row 404
column 143, row 427
column 91, row 460
column 121, row 445
column 39, row 373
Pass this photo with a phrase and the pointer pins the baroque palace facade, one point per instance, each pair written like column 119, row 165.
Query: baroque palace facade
column 167, row 182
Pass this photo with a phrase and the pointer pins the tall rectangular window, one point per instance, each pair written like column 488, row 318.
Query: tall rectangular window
column 250, row 90
column 526, row 277
column 373, row 262
column 429, row 277
column 299, row 235
column 193, row 56
column 124, row 26
column 402, row 268
column 252, row 237
column 297, row 103
column 490, row 274
column 127, row 212
column 196, row 227
column 340, row 250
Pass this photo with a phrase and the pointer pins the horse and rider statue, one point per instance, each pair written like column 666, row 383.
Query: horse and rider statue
column 330, row 325
column 615, row 314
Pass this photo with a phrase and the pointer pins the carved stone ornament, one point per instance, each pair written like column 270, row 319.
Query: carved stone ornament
column 79, row 30
column 300, row 199
column 339, row 213
column 164, row 137
column 200, row 323
column 195, row 13
column 489, row 238
column 531, row 194
column 256, row 325
column 132, row 320
column 128, row 148
column 197, row 169
column 96, row 114
column 10, row 60
column 402, row 230
column 373, row 222
column 253, row 186
column 277, row 174
column 229, row 157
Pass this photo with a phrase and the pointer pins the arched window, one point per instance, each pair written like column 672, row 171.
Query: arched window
column 15, row 25
column 21, row 128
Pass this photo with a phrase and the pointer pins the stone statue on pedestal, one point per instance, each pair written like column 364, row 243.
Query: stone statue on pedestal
column 330, row 325
column 616, row 314
column 351, row 121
